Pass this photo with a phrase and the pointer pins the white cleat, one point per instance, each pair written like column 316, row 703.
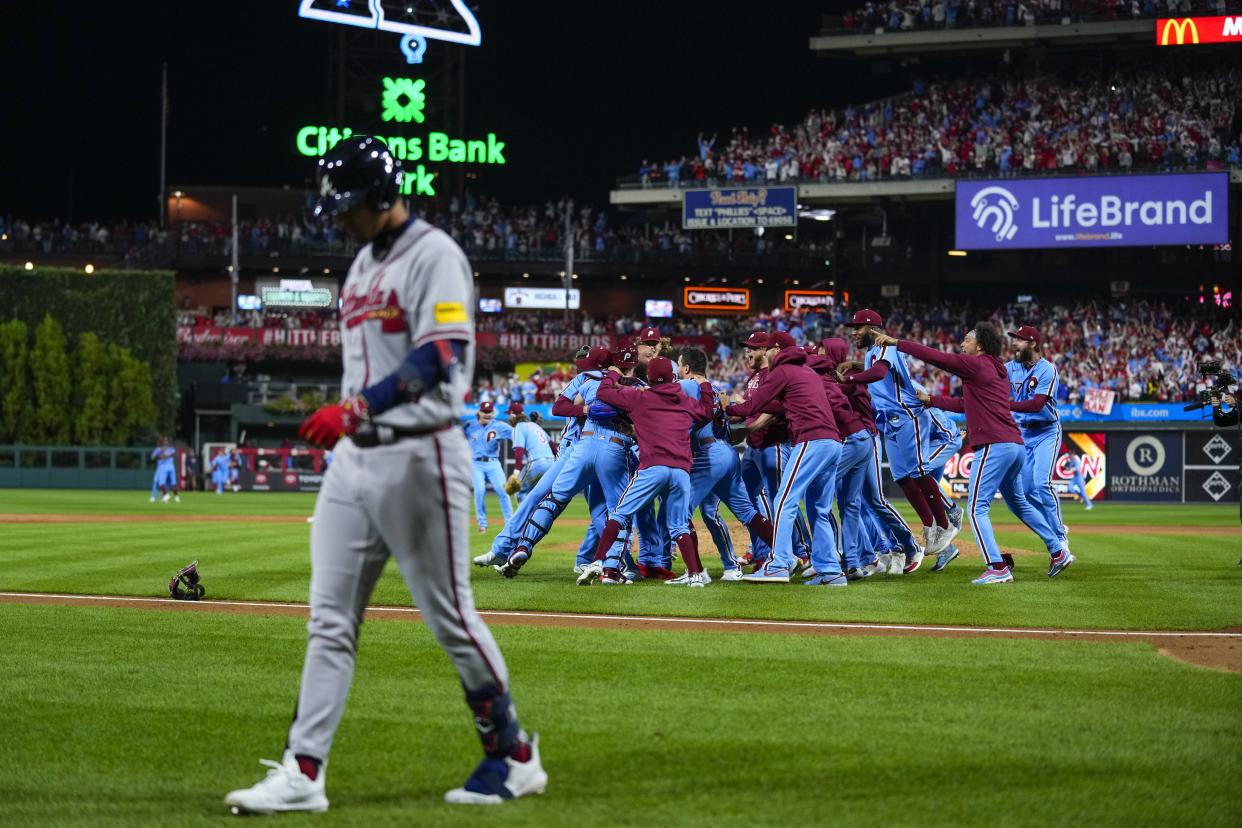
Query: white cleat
column 152, row 500
column 497, row 780
column 941, row 538
column 286, row 788
column 691, row 579
column 486, row 559
column 896, row 563
column 167, row 498
column 731, row 575
column 876, row 567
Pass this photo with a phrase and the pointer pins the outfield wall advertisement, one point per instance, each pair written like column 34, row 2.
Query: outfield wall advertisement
column 1100, row 211
column 1090, row 447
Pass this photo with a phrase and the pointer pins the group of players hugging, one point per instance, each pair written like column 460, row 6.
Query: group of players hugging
column 644, row 425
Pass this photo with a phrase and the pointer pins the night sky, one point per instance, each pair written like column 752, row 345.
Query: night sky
column 581, row 91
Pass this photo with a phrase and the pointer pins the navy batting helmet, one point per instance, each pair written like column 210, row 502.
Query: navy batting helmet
column 359, row 169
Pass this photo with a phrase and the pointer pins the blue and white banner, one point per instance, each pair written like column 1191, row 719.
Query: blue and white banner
column 1101, row 211
column 739, row 207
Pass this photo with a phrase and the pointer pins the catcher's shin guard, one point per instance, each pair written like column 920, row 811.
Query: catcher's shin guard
column 540, row 521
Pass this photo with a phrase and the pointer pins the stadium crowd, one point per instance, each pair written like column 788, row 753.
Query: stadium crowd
column 1143, row 351
column 1157, row 118
column 913, row 15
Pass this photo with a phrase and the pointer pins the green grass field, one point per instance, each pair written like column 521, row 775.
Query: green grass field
column 124, row 716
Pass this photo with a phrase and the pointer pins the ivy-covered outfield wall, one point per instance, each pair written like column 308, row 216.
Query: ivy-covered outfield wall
column 89, row 344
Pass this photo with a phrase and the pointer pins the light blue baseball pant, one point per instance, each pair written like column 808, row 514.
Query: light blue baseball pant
column 851, row 477
column 998, row 467
column 715, row 476
column 596, row 458
column 811, row 473
column 1078, row 486
column 875, row 538
column 166, row 478
column 941, row 454
column 907, row 445
column 532, row 473
column 875, row 501
column 489, row 471
column 672, row 484
column 1042, row 448
column 801, row 533
column 757, row 490
column 507, row 536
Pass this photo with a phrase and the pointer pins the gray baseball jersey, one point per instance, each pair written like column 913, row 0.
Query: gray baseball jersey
column 420, row 291
column 408, row 499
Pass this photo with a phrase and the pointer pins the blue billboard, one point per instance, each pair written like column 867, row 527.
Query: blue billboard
column 739, row 207
column 1100, row 211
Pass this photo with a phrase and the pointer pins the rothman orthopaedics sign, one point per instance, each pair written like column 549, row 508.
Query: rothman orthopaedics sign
column 403, row 101
column 1103, row 211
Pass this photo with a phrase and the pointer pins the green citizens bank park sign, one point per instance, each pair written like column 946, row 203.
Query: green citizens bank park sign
column 403, row 101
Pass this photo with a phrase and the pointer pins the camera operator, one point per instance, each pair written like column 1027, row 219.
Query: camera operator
column 1225, row 419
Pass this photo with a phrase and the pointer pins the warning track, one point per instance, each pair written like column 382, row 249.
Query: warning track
column 1218, row 649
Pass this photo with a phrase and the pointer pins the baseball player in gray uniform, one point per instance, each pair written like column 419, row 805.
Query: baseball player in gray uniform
column 399, row 486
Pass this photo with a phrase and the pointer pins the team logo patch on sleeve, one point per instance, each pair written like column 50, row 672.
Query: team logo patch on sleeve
column 450, row 312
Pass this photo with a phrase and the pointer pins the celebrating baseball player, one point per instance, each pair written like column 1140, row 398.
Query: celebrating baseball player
column 485, row 434
column 1033, row 385
column 399, row 486
column 1078, row 483
column 905, row 427
column 716, row 474
column 663, row 416
column 165, row 480
column 532, row 452
column 811, row 469
column 885, row 519
column 999, row 454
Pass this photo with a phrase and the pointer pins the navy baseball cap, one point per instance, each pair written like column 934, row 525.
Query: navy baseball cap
column 866, row 316
column 1028, row 333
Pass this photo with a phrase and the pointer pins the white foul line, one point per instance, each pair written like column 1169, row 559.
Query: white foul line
column 657, row 619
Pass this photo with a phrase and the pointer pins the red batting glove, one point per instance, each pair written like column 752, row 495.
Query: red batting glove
column 332, row 422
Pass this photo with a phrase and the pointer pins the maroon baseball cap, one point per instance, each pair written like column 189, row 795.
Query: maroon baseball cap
column 486, row 407
column 660, row 371
column 517, row 408
column 599, row 358
column 866, row 316
column 650, row 335
column 625, row 358
column 1027, row 332
column 758, row 339
column 780, row 339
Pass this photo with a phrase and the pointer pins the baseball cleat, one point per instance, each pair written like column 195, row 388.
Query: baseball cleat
column 590, row 572
column 807, row 573
column 955, row 517
column 486, row 559
column 497, row 780
column 612, row 577
column 691, row 579
column 945, row 558
column 876, row 567
column 659, row 573
column 482, row 529
column 167, row 498
column 578, row 568
column 746, row 560
column 731, row 575
column 896, row 562
column 153, row 499
column 632, row 575
column 913, row 561
column 944, row 537
column 993, row 575
column 855, row 573
column 510, row 567
column 176, row 498
column 1060, row 562
column 285, row 788
column 769, row 573
column 801, row 564
column 827, row 580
